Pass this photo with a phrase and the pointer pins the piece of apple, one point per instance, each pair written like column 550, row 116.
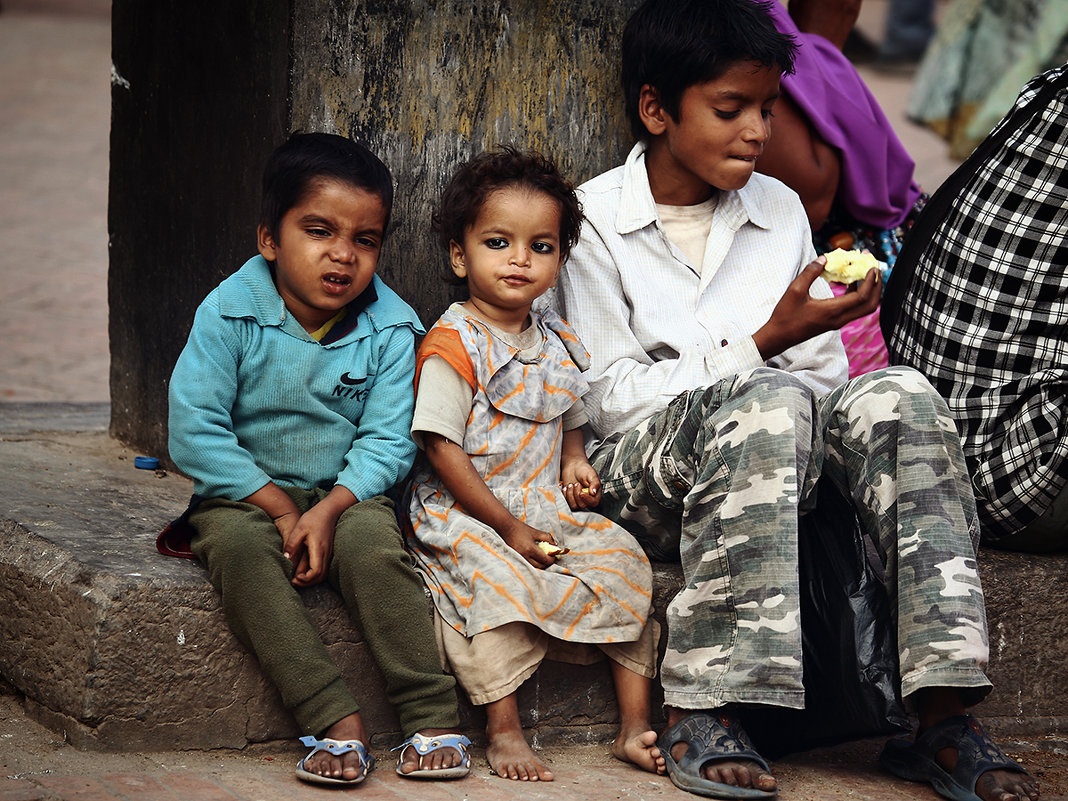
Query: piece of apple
column 552, row 550
column 847, row 266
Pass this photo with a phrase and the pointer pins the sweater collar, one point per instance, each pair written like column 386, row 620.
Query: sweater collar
column 251, row 293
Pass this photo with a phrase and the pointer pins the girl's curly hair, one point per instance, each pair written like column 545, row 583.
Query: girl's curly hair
column 504, row 168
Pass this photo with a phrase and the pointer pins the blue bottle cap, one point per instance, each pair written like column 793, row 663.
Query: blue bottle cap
column 146, row 462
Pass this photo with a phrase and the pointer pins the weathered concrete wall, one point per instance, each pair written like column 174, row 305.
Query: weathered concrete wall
column 203, row 91
column 428, row 84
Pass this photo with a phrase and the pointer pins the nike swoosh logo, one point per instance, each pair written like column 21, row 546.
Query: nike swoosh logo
column 350, row 381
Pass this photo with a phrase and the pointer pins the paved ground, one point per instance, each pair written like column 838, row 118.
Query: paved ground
column 35, row 765
column 54, row 122
column 54, row 117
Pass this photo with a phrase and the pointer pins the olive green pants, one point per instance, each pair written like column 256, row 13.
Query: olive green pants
column 373, row 573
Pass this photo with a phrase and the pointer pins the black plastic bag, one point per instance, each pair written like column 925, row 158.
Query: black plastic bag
column 849, row 647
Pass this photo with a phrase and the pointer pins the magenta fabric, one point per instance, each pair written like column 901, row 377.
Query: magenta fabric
column 876, row 186
column 863, row 341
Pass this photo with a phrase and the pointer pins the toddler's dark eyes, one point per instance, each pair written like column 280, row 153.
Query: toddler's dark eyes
column 496, row 243
column 542, row 247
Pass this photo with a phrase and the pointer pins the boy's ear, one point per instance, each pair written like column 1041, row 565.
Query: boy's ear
column 456, row 259
column 651, row 110
column 267, row 246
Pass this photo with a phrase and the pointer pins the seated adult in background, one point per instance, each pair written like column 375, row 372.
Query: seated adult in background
column 979, row 304
column 834, row 146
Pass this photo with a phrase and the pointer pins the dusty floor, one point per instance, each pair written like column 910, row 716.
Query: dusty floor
column 35, row 763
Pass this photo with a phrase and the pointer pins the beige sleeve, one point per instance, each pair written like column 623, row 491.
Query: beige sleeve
column 443, row 402
column 575, row 417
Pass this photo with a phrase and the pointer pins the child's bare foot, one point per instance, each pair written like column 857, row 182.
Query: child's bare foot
column 346, row 766
column 639, row 747
column 442, row 758
column 510, row 757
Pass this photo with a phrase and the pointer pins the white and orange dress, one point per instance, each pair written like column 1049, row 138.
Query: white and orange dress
column 498, row 615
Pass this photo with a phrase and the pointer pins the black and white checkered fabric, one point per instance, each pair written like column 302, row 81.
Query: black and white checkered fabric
column 986, row 317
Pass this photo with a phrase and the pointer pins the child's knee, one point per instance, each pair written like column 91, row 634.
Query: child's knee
column 769, row 401
column 895, row 393
column 769, row 386
column 369, row 532
column 231, row 532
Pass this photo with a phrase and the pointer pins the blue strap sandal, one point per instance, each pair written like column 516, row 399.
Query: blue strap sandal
column 710, row 737
column 424, row 745
column 337, row 748
column 976, row 754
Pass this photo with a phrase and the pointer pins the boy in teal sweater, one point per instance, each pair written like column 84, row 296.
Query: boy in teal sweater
column 290, row 408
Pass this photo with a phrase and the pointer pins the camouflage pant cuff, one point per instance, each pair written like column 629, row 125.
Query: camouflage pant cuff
column 790, row 699
column 973, row 684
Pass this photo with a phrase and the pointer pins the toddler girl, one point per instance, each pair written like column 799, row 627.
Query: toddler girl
column 498, row 414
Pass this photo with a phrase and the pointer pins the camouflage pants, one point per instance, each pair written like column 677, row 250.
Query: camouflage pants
column 717, row 481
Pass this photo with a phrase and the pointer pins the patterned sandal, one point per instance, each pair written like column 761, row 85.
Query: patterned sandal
column 710, row 737
column 976, row 754
column 337, row 748
column 424, row 745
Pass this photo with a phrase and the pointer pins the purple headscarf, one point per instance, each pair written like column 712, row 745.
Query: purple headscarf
column 876, row 185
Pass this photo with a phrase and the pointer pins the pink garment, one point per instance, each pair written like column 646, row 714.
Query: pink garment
column 863, row 341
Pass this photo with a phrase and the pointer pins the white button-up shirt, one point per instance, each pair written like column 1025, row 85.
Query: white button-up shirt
column 656, row 325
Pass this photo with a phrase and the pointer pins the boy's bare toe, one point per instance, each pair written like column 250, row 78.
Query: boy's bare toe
column 441, row 751
column 740, row 774
column 1000, row 785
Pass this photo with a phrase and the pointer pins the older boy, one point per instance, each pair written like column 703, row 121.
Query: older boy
column 290, row 407
column 718, row 401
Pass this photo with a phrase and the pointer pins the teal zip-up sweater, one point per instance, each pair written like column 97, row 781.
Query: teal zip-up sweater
column 254, row 399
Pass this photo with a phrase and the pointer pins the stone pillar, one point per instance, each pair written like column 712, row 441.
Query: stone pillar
column 198, row 98
column 203, row 91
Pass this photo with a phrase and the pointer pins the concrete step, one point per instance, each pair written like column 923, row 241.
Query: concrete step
column 119, row 648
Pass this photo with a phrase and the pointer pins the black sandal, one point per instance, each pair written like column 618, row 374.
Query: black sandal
column 710, row 737
column 976, row 754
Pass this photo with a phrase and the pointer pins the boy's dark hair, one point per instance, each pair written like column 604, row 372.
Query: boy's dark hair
column 307, row 157
column 503, row 168
column 673, row 44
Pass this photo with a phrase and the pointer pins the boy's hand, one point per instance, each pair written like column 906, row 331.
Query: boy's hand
column 799, row 316
column 285, row 523
column 310, row 545
column 524, row 539
column 581, row 485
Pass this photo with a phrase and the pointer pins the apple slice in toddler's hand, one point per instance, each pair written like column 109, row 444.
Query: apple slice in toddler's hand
column 551, row 549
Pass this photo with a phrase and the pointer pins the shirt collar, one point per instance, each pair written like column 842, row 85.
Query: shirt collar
column 352, row 314
column 637, row 209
